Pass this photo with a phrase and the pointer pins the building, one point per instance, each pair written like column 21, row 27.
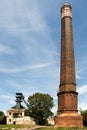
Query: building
column 51, row 121
column 16, row 115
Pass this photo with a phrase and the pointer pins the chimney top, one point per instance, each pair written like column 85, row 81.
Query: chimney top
column 66, row 10
column 66, row 4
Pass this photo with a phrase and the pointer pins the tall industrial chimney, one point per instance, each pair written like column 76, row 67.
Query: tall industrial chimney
column 67, row 96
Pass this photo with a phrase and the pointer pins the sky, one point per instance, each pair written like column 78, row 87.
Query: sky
column 30, row 39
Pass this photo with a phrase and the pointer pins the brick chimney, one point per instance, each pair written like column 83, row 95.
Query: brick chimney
column 67, row 96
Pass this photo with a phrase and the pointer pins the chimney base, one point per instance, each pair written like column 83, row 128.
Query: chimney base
column 69, row 120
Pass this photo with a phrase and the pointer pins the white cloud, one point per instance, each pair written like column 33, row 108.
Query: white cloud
column 24, row 68
column 5, row 97
column 82, row 89
column 54, row 110
column 82, row 106
column 79, row 71
column 21, row 17
column 6, row 50
column 24, row 88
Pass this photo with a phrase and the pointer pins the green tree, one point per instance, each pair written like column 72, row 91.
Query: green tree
column 40, row 106
column 2, row 118
column 84, row 114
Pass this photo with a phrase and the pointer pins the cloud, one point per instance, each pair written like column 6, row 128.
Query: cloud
column 6, row 50
column 6, row 97
column 54, row 110
column 24, row 68
column 26, row 89
column 20, row 17
column 82, row 89
column 80, row 70
column 83, row 106
column 25, row 20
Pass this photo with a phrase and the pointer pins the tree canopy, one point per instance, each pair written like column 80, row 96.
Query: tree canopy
column 84, row 114
column 40, row 106
column 2, row 118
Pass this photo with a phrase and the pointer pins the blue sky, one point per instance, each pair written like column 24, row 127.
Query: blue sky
column 30, row 38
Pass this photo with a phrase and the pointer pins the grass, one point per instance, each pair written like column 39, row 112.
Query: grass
column 52, row 128
column 9, row 127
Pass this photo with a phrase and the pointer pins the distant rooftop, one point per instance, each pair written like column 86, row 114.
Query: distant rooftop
column 15, row 107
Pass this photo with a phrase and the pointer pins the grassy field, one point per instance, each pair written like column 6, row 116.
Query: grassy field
column 9, row 127
column 51, row 128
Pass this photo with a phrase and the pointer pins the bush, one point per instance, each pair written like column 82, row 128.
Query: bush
column 84, row 114
column 2, row 118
